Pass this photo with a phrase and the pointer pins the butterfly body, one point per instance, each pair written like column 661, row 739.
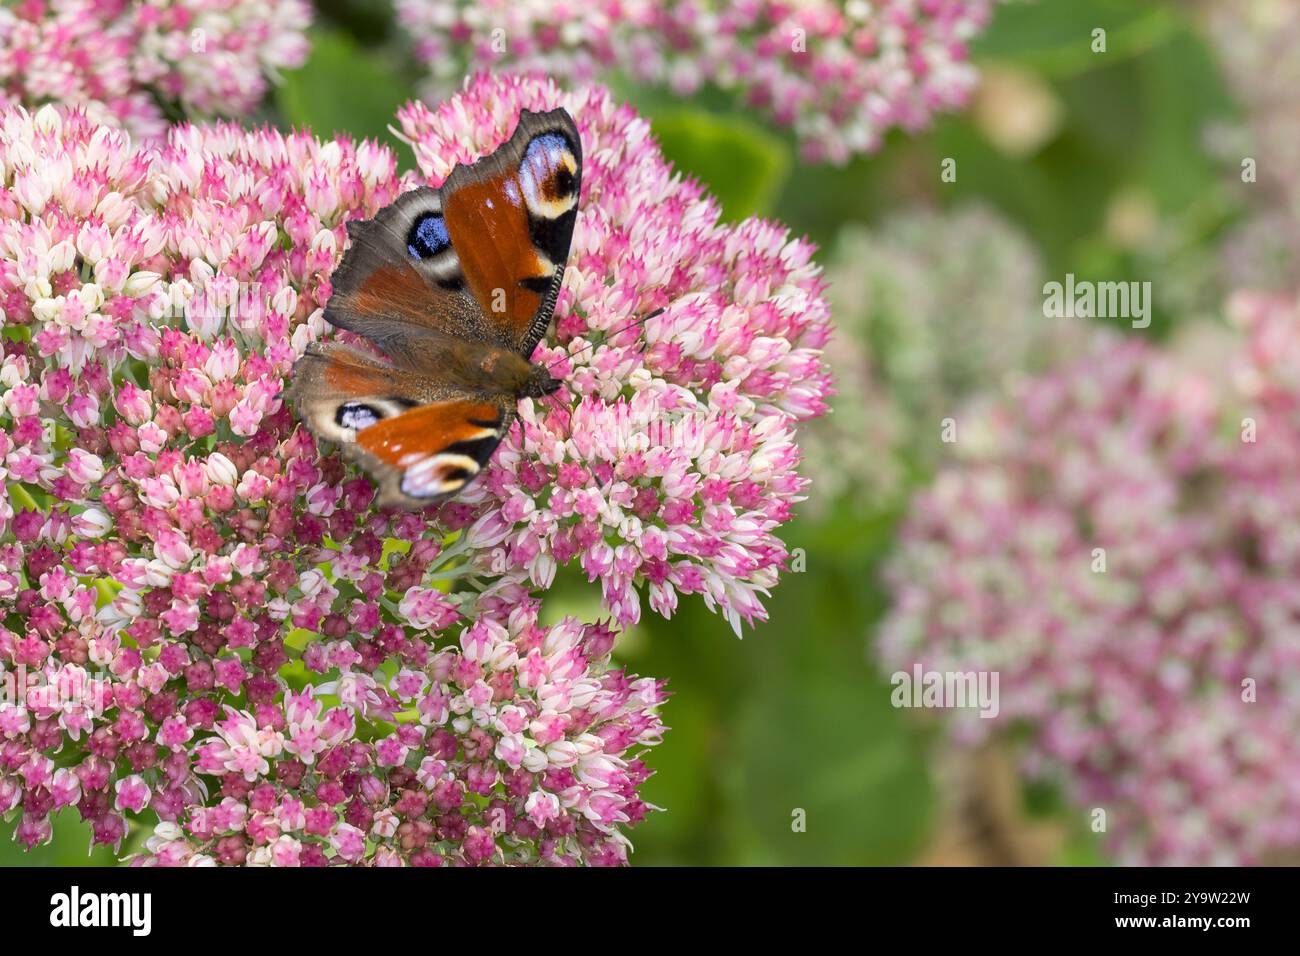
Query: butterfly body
column 455, row 287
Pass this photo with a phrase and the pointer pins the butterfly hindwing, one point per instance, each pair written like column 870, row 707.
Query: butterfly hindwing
column 421, row 440
column 434, row 450
column 337, row 389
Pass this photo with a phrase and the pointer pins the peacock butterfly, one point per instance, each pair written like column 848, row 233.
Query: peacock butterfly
column 455, row 286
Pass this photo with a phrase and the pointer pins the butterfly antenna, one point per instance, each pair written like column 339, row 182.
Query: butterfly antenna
column 591, row 345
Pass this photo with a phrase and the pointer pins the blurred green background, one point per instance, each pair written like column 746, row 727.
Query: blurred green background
column 1072, row 148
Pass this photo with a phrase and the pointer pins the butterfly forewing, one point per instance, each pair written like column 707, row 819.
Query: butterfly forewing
column 511, row 217
column 385, row 293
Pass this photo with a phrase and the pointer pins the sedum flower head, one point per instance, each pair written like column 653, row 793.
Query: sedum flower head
column 216, row 623
column 1257, row 43
column 947, row 302
column 1120, row 547
column 671, row 461
column 840, row 74
column 118, row 59
column 931, row 307
column 510, row 745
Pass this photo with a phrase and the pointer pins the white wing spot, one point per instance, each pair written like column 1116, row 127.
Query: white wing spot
column 438, row 475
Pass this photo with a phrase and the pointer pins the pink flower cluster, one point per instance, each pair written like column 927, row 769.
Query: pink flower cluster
column 504, row 749
column 120, row 59
column 1118, row 542
column 840, row 74
column 673, row 461
column 215, row 622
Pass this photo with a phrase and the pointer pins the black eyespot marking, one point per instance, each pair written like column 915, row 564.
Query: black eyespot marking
column 564, row 182
column 356, row 416
column 458, row 474
column 548, row 173
column 428, row 236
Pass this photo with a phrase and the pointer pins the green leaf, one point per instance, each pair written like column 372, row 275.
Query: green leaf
column 344, row 88
column 793, row 717
column 370, row 21
column 1186, row 96
column 1083, row 849
column 818, row 736
column 742, row 164
column 70, row 846
column 1057, row 38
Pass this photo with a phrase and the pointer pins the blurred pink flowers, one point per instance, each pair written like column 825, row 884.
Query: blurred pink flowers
column 284, row 678
column 118, row 59
column 1257, row 42
column 839, row 74
column 1118, row 541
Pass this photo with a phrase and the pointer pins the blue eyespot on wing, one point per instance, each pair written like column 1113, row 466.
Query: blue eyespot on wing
column 428, row 236
column 439, row 260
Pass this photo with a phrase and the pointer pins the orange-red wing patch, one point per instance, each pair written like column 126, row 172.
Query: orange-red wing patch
column 488, row 223
column 404, row 439
column 397, row 288
column 350, row 374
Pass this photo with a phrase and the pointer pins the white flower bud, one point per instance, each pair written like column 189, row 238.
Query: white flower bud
column 48, row 119
column 286, row 300
column 324, row 240
column 138, row 283
column 91, row 523
column 63, row 255
column 221, row 470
